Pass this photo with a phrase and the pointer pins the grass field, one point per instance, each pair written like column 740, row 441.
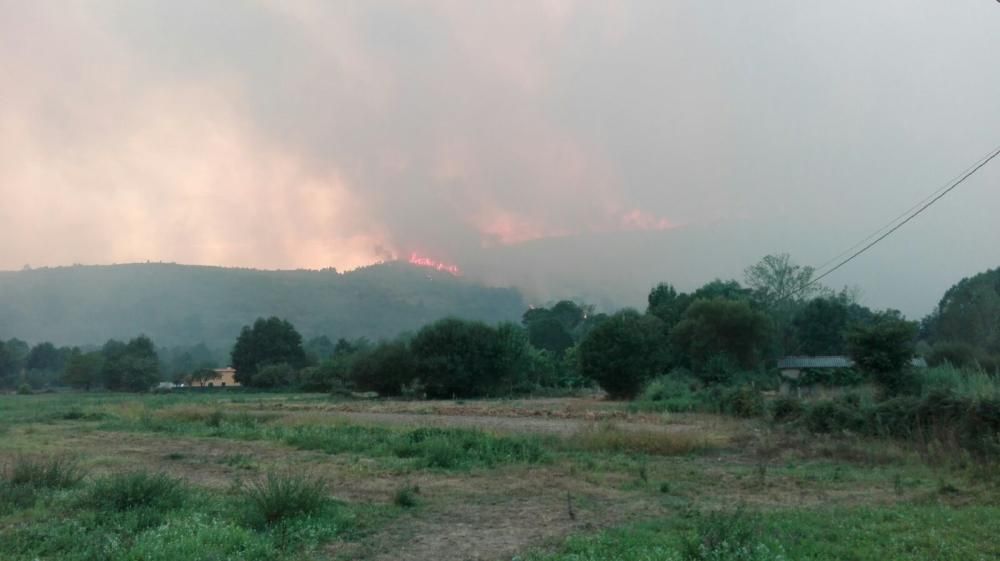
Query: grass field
column 275, row 476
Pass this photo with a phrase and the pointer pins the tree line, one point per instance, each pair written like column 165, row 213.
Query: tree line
column 713, row 334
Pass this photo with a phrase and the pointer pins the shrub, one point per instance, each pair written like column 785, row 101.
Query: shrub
column 721, row 536
column 895, row 417
column 13, row 497
column 24, row 389
column 54, row 473
column 136, row 490
column 786, row 409
column 276, row 498
column 833, row 416
column 744, row 401
column 406, row 496
column 214, row 419
column 676, row 391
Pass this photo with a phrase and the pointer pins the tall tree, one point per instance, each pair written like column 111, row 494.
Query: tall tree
column 83, row 370
column 131, row 366
column 667, row 304
column 969, row 313
column 775, row 280
column 45, row 356
column 884, row 349
column 269, row 341
column 624, row 352
column 714, row 329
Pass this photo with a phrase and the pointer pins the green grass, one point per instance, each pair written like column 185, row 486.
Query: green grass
column 136, row 490
column 914, row 532
column 144, row 516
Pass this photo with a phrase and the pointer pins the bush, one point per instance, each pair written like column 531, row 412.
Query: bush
column 721, row 536
column 54, row 473
column 834, row 416
column 24, row 389
column 744, row 401
column 784, row 409
column 662, row 388
column 406, row 496
column 276, row 498
column 137, row 490
column 273, row 376
column 14, row 497
column 675, row 392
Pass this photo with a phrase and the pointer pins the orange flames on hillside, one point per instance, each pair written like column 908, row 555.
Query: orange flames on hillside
column 421, row 261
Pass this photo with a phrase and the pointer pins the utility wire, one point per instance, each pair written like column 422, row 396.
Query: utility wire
column 922, row 208
column 901, row 216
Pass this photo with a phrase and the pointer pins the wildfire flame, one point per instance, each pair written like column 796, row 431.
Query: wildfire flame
column 421, row 261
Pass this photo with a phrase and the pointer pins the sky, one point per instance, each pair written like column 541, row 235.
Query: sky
column 568, row 148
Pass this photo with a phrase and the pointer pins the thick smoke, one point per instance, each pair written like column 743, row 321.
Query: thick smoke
column 313, row 134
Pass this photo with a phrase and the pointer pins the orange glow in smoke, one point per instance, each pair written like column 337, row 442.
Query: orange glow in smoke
column 421, row 261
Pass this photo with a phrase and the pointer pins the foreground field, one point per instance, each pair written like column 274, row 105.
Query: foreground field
column 242, row 476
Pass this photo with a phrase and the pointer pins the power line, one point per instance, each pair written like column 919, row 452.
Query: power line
column 925, row 206
column 901, row 216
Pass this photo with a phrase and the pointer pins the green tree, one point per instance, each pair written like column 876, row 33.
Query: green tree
column 465, row 358
column 132, row 366
column 13, row 355
column 45, row 356
column 83, row 370
column 820, row 327
column 667, row 304
column 624, row 352
column 269, row 341
column 713, row 330
column 549, row 334
column 720, row 289
column 969, row 313
column 319, row 349
column 775, row 280
column 384, row 369
column 883, row 350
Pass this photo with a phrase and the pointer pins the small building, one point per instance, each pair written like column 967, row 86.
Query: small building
column 222, row 378
column 794, row 367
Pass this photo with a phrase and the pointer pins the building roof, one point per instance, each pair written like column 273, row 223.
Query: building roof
column 790, row 362
column 815, row 362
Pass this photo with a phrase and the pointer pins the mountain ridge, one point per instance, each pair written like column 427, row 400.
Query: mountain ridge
column 177, row 304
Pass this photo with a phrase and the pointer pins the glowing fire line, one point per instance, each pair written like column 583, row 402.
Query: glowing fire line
column 421, row 261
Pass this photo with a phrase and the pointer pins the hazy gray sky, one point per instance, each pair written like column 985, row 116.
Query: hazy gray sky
column 302, row 133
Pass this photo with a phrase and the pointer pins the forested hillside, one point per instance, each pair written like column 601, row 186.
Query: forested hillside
column 181, row 305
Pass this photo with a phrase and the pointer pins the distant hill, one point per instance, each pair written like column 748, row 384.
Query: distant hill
column 182, row 305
